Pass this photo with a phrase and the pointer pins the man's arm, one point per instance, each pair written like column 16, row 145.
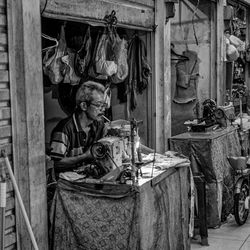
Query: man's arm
column 68, row 163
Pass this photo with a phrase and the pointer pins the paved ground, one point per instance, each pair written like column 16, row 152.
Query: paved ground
column 229, row 236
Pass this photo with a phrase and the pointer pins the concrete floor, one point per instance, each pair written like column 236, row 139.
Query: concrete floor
column 229, row 236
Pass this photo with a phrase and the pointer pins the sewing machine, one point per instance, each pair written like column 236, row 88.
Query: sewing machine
column 114, row 152
column 210, row 116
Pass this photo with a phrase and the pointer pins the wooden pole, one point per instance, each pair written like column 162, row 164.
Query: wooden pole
column 12, row 177
column 2, row 206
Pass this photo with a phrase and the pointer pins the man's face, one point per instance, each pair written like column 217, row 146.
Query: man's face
column 96, row 108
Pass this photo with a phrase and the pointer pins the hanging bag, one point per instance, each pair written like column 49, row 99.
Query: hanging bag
column 53, row 66
column 83, row 56
column 92, row 69
column 104, row 60
column 70, row 75
column 120, row 53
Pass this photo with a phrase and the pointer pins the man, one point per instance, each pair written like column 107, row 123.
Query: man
column 72, row 137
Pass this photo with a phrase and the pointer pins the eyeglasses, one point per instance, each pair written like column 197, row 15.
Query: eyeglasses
column 99, row 105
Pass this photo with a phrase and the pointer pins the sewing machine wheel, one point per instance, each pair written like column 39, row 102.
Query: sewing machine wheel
column 98, row 150
column 219, row 113
column 209, row 102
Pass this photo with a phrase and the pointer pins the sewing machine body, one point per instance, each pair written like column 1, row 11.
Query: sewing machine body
column 117, row 145
column 211, row 116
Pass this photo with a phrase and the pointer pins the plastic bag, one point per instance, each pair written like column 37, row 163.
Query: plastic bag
column 120, row 52
column 232, row 53
column 70, row 75
column 83, row 56
column 92, row 69
column 53, row 66
column 103, row 65
column 237, row 43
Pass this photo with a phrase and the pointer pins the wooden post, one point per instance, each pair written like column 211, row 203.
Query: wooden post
column 2, row 205
column 26, row 85
column 219, row 52
column 162, row 77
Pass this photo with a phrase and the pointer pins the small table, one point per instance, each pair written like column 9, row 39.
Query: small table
column 208, row 154
column 153, row 214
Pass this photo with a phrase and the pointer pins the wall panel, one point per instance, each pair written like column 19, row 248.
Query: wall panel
column 5, row 127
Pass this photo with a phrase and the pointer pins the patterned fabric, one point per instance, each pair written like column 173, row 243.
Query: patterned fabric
column 68, row 138
column 81, row 221
column 210, row 157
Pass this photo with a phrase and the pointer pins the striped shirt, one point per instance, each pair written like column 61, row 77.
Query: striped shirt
column 68, row 138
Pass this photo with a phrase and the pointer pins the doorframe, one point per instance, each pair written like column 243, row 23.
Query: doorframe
column 27, row 116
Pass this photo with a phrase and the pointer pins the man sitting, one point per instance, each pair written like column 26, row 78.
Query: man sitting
column 73, row 136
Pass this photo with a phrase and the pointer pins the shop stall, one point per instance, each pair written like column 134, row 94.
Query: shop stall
column 110, row 216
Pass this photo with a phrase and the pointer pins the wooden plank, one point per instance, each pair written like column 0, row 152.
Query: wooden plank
column 10, row 203
column 24, row 22
column 149, row 92
column 10, row 221
column 2, row 3
column 4, row 75
column 11, row 247
column 4, row 94
column 3, row 39
column 149, row 3
column 212, row 87
column 4, row 103
column 4, row 85
column 3, row 66
column 141, row 16
column 162, row 78
column 2, row 20
column 153, row 94
column 5, row 131
column 4, row 57
column 10, row 239
column 4, row 113
column 219, row 52
column 134, row 3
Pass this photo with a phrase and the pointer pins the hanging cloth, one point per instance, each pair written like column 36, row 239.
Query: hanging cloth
column 139, row 70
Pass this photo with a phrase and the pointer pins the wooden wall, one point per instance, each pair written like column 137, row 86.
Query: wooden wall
column 201, row 19
column 27, row 118
column 137, row 13
column 5, row 127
